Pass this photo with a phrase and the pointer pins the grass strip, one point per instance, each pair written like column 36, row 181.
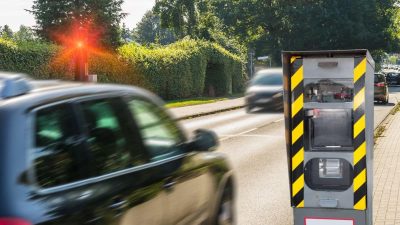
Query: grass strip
column 395, row 109
column 191, row 102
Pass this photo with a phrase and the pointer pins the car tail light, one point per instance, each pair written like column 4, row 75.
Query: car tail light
column 380, row 84
column 13, row 221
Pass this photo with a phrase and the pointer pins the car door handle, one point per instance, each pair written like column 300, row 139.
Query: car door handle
column 169, row 185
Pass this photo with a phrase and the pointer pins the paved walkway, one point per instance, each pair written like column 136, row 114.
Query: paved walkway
column 386, row 198
column 202, row 109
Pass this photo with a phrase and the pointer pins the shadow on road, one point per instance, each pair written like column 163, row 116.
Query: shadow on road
column 384, row 105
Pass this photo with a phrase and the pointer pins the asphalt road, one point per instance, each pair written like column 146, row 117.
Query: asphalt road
column 255, row 145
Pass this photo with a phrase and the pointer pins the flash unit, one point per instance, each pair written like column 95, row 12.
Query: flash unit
column 330, row 168
column 329, row 174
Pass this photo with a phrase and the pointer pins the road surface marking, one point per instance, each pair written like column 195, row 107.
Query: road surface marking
column 252, row 135
column 236, row 135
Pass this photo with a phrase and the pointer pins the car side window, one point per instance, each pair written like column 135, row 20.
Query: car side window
column 160, row 134
column 108, row 140
column 56, row 160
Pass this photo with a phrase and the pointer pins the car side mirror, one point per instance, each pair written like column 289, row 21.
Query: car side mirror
column 204, row 140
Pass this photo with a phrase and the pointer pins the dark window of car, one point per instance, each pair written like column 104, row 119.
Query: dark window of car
column 160, row 134
column 379, row 78
column 267, row 79
column 109, row 139
column 57, row 159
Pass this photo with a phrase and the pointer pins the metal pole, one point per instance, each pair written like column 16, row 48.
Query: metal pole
column 81, row 65
column 251, row 64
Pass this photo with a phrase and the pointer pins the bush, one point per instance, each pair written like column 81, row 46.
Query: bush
column 25, row 57
column 184, row 69
column 187, row 68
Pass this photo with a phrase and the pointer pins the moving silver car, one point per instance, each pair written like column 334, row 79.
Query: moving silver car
column 265, row 90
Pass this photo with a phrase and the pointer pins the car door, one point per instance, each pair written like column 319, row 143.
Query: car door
column 187, row 184
column 91, row 167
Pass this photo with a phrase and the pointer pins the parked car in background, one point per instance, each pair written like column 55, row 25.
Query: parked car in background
column 393, row 78
column 265, row 90
column 79, row 153
column 381, row 90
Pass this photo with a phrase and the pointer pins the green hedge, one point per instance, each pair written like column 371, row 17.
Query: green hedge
column 25, row 57
column 187, row 68
column 184, row 69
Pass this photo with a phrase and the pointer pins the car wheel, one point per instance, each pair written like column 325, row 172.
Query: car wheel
column 248, row 108
column 226, row 208
column 386, row 101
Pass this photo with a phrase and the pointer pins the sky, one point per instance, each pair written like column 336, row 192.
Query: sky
column 12, row 12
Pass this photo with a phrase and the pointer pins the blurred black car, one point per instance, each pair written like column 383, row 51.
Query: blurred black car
column 265, row 90
column 75, row 153
column 393, row 78
column 381, row 90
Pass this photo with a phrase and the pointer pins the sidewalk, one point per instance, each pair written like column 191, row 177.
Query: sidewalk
column 205, row 109
column 386, row 200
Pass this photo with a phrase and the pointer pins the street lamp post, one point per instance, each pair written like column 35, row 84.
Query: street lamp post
column 251, row 55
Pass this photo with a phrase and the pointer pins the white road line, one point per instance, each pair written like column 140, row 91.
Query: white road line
column 277, row 121
column 239, row 134
column 252, row 135
column 248, row 131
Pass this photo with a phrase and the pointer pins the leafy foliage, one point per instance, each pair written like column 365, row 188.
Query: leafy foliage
column 25, row 34
column 271, row 26
column 59, row 17
column 26, row 58
column 149, row 31
column 6, row 32
column 181, row 15
column 184, row 69
column 187, row 68
column 197, row 19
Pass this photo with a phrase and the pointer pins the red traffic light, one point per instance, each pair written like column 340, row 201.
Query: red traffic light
column 79, row 44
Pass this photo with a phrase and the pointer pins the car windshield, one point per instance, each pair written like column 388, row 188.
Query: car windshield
column 267, row 79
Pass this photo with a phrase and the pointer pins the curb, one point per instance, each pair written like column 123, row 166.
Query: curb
column 389, row 114
column 242, row 106
column 209, row 113
column 380, row 129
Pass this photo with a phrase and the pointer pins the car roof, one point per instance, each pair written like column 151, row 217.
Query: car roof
column 39, row 92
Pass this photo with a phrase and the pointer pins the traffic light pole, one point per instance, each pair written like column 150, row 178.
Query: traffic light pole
column 81, row 64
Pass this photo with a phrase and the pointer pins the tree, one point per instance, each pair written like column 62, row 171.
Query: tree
column 6, row 32
column 181, row 15
column 125, row 34
column 272, row 26
column 25, row 34
column 197, row 19
column 62, row 17
column 149, row 30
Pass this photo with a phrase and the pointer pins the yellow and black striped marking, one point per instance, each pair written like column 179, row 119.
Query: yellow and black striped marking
column 360, row 152
column 297, row 131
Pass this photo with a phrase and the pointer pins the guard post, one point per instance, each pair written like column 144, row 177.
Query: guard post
column 328, row 104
